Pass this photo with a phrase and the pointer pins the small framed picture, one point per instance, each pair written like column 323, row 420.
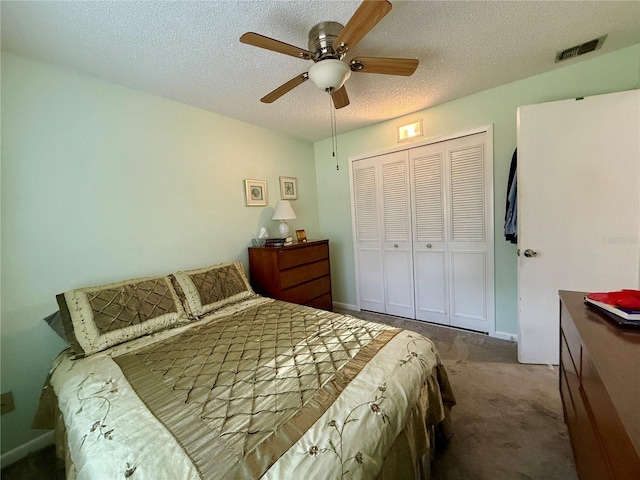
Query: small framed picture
column 288, row 188
column 256, row 192
column 301, row 236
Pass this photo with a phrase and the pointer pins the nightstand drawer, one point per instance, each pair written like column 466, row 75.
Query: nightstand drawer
column 303, row 273
column 307, row 291
column 301, row 256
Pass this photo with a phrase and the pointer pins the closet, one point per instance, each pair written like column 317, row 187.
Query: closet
column 423, row 232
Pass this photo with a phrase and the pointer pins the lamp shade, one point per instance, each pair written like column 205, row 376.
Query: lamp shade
column 283, row 211
column 329, row 74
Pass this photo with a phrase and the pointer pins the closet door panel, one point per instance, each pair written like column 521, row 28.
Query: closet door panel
column 432, row 304
column 398, row 265
column 396, row 244
column 370, row 279
column 470, row 281
column 368, row 233
column 429, row 239
column 468, row 286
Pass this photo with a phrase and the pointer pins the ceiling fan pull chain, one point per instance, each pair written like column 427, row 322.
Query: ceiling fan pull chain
column 334, row 134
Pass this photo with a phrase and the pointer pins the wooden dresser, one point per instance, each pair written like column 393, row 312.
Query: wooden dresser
column 298, row 273
column 600, row 390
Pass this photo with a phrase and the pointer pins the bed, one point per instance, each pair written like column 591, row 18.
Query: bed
column 194, row 376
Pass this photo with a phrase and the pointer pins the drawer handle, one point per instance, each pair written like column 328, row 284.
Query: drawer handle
column 395, row 245
column 428, row 245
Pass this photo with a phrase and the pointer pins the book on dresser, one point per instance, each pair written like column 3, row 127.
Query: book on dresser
column 298, row 273
column 278, row 242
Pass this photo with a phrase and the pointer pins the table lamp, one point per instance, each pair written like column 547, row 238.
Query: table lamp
column 283, row 212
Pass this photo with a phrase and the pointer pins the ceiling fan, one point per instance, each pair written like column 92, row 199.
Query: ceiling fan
column 328, row 45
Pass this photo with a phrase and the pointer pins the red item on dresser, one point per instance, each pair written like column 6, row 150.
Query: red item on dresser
column 625, row 299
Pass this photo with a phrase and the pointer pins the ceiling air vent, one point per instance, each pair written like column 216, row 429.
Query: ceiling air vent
column 586, row 47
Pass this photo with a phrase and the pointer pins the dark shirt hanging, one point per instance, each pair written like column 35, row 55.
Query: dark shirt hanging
column 511, row 210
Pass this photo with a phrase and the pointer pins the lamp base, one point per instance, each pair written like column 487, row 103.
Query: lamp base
column 284, row 229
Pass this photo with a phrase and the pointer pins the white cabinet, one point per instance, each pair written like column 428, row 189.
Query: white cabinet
column 423, row 233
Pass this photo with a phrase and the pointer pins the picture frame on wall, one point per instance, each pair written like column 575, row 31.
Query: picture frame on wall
column 288, row 188
column 255, row 192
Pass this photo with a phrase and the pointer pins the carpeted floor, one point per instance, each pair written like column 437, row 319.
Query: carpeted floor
column 507, row 422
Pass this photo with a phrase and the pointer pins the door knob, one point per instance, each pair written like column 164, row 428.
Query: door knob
column 530, row 253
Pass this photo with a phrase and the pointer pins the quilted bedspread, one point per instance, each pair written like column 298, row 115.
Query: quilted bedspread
column 261, row 389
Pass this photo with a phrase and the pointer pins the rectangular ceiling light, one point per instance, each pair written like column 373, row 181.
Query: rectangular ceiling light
column 410, row 131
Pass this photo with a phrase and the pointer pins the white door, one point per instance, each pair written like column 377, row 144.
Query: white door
column 382, row 225
column 396, row 226
column 578, row 208
column 429, row 233
column 368, row 235
column 470, row 233
column 453, row 242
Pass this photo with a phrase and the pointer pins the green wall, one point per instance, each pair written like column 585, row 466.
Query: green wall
column 613, row 72
column 103, row 183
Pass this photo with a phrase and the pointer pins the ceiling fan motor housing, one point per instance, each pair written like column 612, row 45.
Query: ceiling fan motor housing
column 322, row 38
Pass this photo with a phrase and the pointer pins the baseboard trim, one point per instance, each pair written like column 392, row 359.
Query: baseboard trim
column 25, row 449
column 346, row 306
column 512, row 337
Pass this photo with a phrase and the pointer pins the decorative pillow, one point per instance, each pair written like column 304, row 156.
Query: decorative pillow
column 96, row 318
column 210, row 288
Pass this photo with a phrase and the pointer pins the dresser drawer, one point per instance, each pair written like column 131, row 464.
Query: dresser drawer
column 569, row 371
column 304, row 273
column 622, row 457
column 566, row 395
column 590, row 459
column 301, row 256
column 324, row 302
column 570, row 362
column 307, row 291
column 572, row 338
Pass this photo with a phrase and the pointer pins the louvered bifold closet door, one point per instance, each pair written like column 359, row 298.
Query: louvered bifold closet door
column 468, row 257
column 429, row 237
column 368, row 234
column 396, row 244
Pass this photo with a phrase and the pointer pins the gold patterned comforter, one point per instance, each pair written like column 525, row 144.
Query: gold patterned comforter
column 260, row 389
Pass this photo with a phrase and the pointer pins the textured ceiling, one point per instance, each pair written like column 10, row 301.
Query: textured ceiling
column 189, row 51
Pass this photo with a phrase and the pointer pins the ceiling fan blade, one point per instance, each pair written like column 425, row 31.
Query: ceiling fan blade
column 340, row 98
column 387, row 66
column 368, row 14
column 282, row 89
column 261, row 41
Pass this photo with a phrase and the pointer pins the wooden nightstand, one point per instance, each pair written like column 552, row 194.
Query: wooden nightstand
column 298, row 273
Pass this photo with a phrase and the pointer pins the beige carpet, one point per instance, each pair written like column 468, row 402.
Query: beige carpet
column 508, row 419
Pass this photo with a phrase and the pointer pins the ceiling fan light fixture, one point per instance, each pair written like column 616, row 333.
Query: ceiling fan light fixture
column 329, row 74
